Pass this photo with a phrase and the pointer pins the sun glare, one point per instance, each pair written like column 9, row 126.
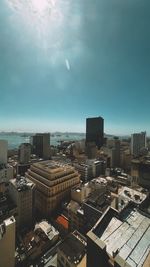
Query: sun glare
column 40, row 5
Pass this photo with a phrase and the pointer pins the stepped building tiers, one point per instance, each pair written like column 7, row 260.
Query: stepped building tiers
column 53, row 181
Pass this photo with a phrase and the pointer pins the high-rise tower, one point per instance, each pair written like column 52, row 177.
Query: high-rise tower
column 41, row 145
column 95, row 131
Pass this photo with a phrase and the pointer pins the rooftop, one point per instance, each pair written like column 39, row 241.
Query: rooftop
column 132, row 195
column 52, row 166
column 62, row 220
column 127, row 236
column 74, row 247
column 99, row 200
column 47, row 228
column 22, row 183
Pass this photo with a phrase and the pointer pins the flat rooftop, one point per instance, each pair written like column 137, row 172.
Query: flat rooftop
column 74, row 247
column 48, row 229
column 132, row 195
column 22, row 184
column 128, row 237
column 52, row 166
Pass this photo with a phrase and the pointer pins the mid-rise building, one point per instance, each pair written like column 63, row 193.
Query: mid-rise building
column 24, row 153
column 41, row 145
column 42, row 238
column 7, row 207
column 3, row 151
column 76, row 218
column 6, row 173
column 95, row 131
column 21, row 190
column 90, row 169
column 140, row 171
column 138, row 142
column 54, row 181
column 80, row 193
column 85, row 170
column 113, row 150
column 95, row 206
column 7, row 243
column 72, row 251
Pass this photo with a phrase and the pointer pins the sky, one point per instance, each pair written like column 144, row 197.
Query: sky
column 62, row 61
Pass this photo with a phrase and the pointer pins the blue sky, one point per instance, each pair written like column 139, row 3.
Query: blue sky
column 64, row 60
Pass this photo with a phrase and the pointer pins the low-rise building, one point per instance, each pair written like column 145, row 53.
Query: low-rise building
column 72, row 251
column 37, row 242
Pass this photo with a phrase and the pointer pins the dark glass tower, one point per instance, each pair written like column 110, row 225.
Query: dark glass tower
column 95, row 131
column 41, row 145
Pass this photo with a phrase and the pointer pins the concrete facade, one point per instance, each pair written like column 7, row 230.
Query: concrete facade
column 7, row 243
column 53, row 183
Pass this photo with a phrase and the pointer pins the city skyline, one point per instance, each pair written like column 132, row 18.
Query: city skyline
column 64, row 62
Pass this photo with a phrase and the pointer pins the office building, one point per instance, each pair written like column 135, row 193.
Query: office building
column 138, row 142
column 41, row 145
column 7, row 243
column 24, row 153
column 72, row 251
column 95, row 131
column 6, row 173
column 21, row 190
column 54, row 181
column 140, row 171
column 7, row 207
column 85, row 170
column 119, row 239
column 91, row 150
column 90, row 169
column 3, row 151
column 113, row 150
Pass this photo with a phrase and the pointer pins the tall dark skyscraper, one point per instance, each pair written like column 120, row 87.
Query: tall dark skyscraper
column 95, row 131
column 41, row 145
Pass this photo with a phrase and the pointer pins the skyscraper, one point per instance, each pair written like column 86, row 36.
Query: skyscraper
column 41, row 145
column 138, row 141
column 95, row 131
